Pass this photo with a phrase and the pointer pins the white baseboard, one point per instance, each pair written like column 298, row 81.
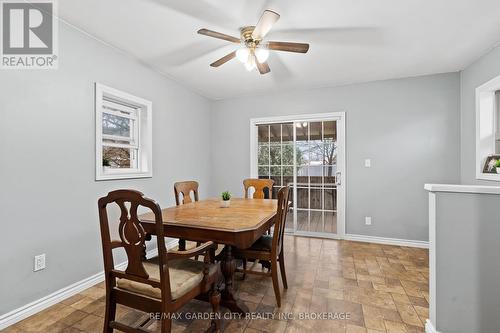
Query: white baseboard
column 387, row 241
column 34, row 307
column 429, row 328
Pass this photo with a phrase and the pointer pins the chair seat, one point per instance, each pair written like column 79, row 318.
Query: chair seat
column 264, row 243
column 185, row 274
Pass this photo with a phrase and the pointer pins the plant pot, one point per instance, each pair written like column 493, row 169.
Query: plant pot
column 225, row 203
column 498, row 169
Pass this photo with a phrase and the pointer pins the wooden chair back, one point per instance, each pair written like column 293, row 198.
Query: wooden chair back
column 185, row 188
column 132, row 240
column 280, row 220
column 263, row 188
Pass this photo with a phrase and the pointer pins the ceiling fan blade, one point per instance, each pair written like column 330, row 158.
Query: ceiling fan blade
column 288, row 47
column 224, row 59
column 263, row 67
column 266, row 22
column 219, row 35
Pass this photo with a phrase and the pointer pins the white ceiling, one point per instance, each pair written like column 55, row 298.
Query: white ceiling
column 351, row 40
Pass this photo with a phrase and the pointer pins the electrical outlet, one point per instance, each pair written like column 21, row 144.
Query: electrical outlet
column 368, row 220
column 39, row 262
column 368, row 163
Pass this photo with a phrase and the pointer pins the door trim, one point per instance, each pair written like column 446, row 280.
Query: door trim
column 339, row 116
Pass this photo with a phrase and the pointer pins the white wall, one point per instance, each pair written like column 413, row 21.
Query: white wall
column 48, row 195
column 481, row 71
column 408, row 127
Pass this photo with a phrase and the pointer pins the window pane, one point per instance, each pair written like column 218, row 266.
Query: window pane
column 263, row 133
column 302, row 153
column 117, row 158
column 330, row 130
column 288, row 170
column 316, row 131
column 316, row 171
column 275, row 133
column 303, row 198
column 302, row 131
column 330, row 149
column 287, row 154
column 303, row 220
column 275, row 154
column 115, row 125
column 277, row 181
column 263, row 154
column 316, row 199
column 263, row 171
column 316, row 152
column 287, row 133
column 276, row 171
column 287, row 180
column 302, row 174
column 329, row 174
column 330, row 198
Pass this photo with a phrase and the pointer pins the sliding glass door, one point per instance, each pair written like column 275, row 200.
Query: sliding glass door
column 307, row 155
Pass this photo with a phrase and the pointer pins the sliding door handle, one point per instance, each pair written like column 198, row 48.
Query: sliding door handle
column 338, row 178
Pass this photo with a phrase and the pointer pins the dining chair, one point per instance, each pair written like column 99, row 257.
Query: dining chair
column 263, row 188
column 270, row 247
column 182, row 192
column 160, row 286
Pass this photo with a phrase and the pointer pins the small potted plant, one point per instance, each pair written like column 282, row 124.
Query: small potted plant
column 497, row 166
column 226, row 199
column 106, row 163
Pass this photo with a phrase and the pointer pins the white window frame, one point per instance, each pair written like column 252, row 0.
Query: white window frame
column 141, row 136
column 487, row 126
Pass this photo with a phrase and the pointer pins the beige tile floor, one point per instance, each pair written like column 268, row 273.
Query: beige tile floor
column 380, row 288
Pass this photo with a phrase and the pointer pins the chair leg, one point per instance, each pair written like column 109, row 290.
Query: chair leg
column 166, row 324
column 276, row 283
column 109, row 315
column 215, row 297
column 244, row 268
column 282, row 270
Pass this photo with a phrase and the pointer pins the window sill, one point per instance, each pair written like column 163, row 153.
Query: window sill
column 488, row 176
column 123, row 175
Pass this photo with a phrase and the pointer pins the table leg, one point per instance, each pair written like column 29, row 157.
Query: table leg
column 228, row 267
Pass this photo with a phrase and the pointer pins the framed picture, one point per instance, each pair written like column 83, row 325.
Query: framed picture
column 489, row 165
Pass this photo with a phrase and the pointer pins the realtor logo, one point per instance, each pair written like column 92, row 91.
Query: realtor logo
column 29, row 34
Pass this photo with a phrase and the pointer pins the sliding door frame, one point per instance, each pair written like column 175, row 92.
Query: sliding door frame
column 339, row 117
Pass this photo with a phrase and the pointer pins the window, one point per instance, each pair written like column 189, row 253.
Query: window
column 123, row 135
column 488, row 130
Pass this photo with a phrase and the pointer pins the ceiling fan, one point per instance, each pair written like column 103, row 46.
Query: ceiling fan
column 254, row 52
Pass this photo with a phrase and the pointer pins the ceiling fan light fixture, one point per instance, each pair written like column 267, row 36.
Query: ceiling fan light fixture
column 262, row 54
column 250, row 63
column 242, row 54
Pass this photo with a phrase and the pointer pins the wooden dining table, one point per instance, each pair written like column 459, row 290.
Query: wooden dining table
column 239, row 225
